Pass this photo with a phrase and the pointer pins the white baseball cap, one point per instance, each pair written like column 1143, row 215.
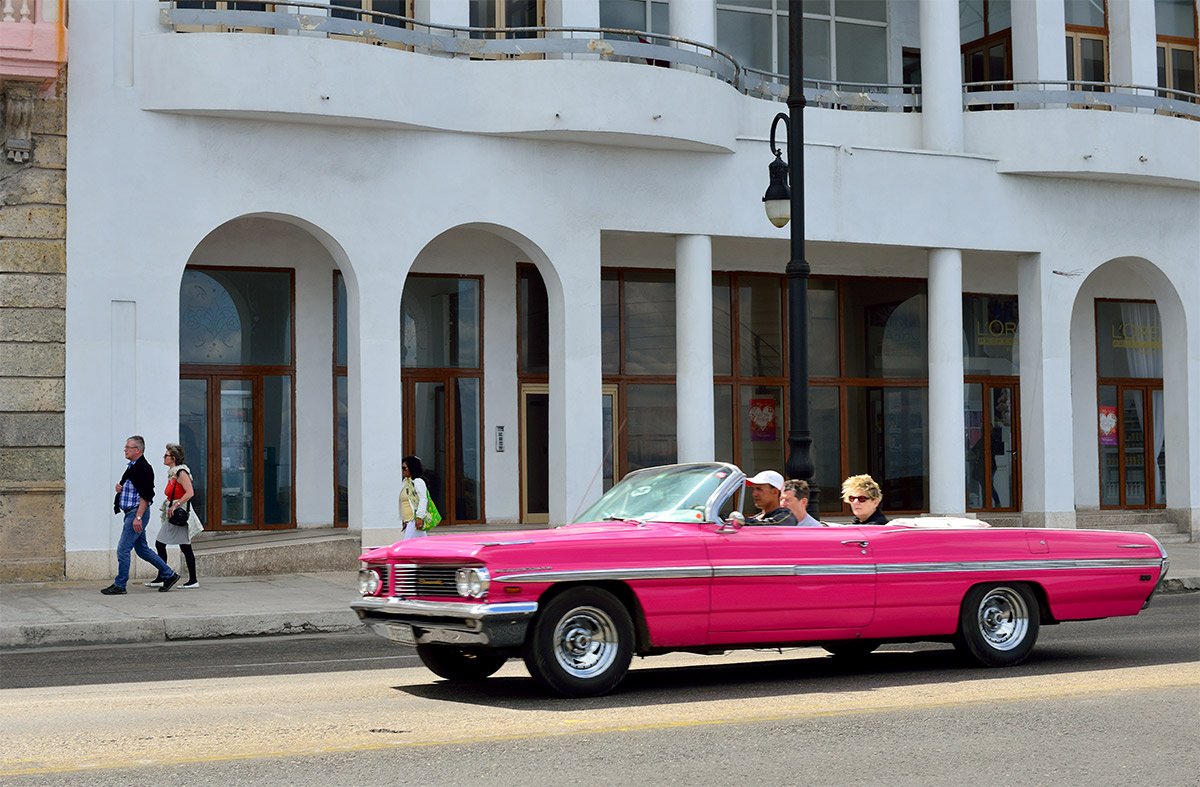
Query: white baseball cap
column 767, row 477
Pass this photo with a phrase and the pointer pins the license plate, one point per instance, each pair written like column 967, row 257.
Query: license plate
column 402, row 634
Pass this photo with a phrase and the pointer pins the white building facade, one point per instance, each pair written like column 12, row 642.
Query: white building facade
column 539, row 260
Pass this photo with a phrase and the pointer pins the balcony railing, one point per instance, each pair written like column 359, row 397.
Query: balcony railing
column 298, row 17
column 1080, row 95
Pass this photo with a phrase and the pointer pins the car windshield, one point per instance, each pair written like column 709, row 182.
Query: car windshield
column 674, row 493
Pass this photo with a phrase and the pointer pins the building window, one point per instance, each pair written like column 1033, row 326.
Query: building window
column 844, row 40
column 441, row 346
column 506, row 13
column 1175, row 24
column 237, row 383
column 643, row 15
column 991, row 365
column 985, row 31
column 638, row 360
column 1087, row 42
column 1132, row 438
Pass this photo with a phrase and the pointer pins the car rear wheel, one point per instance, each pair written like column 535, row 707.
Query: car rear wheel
column 581, row 643
column 458, row 663
column 998, row 624
column 852, row 648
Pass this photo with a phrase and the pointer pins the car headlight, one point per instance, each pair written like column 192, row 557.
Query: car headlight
column 369, row 581
column 472, row 582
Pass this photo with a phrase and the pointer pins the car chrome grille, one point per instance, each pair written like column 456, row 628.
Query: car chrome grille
column 410, row 579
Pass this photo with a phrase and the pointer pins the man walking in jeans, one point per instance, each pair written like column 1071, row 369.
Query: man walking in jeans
column 135, row 492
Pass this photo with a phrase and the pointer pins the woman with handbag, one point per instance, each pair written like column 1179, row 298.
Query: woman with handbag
column 176, row 529
column 414, row 498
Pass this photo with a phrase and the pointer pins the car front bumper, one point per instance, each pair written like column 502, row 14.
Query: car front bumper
column 412, row 622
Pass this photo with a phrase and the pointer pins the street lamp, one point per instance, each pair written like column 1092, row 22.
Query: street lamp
column 783, row 204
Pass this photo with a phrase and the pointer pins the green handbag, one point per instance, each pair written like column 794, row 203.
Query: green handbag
column 432, row 516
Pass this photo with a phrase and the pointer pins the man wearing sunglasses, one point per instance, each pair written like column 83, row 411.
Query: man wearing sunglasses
column 865, row 498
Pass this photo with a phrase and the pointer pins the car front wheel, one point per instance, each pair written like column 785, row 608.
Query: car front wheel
column 998, row 624
column 581, row 643
column 458, row 663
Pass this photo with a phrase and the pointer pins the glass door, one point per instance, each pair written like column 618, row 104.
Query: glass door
column 236, row 444
column 237, row 434
column 992, row 446
column 535, row 452
column 193, row 436
column 1133, row 458
column 442, row 425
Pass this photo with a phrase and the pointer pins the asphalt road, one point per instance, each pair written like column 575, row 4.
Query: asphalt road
column 1102, row 702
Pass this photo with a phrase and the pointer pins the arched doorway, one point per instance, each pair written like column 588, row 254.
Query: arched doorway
column 237, row 394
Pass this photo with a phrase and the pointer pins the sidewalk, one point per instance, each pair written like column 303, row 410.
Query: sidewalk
column 75, row 613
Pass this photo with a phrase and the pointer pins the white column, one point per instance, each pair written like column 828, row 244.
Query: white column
column 947, row 459
column 456, row 13
column 695, row 20
column 941, row 80
column 576, row 430
column 1038, row 35
column 1047, row 453
column 374, row 399
column 694, row 430
column 1181, row 398
column 1132, row 40
column 572, row 13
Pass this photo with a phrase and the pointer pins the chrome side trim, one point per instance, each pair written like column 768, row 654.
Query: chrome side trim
column 851, row 568
column 1016, row 565
column 836, row 569
column 673, row 572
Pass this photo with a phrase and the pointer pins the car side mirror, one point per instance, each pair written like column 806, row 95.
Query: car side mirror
column 734, row 523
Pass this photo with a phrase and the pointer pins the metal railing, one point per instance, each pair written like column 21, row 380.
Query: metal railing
column 862, row 96
column 477, row 43
column 300, row 17
column 1079, row 94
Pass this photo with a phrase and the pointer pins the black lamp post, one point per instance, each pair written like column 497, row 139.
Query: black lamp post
column 783, row 204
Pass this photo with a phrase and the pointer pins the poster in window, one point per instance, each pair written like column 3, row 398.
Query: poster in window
column 762, row 420
column 1108, row 424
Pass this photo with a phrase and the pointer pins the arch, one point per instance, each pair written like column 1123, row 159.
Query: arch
column 301, row 458
column 573, row 360
column 1137, row 278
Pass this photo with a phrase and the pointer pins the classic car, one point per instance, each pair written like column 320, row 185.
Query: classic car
column 664, row 562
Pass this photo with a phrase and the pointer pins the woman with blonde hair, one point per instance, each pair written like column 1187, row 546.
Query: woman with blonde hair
column 865, row 498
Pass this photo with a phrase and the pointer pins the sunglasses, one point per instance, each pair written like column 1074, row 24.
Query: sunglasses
column 857, row 498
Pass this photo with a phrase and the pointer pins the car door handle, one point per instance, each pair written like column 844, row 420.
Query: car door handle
column 857, row 542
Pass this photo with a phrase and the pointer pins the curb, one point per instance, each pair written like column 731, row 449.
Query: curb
column 150, row 630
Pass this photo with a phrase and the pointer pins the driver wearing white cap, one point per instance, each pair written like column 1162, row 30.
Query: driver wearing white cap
column 766, row 488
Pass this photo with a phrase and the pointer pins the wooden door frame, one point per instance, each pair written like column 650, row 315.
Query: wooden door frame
column 527, row 389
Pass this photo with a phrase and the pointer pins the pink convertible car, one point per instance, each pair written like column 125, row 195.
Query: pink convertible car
column 662, row 563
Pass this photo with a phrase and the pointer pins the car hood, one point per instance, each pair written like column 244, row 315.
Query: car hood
column 568, row 539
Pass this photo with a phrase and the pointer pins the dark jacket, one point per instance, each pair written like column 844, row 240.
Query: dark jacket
column 780, row 516
column 141, row 475
column 878, row 518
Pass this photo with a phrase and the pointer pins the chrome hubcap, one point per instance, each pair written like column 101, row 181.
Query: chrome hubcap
column 585, row 642
column 1003, row 618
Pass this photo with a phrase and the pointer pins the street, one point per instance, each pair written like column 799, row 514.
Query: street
column 1102, row 702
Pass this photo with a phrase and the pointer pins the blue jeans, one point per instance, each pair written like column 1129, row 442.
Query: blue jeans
column 137, row 542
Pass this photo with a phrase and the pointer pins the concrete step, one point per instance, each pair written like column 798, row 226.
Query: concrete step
column 1118, row 520
column 1159, row 530
column 253, row 553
